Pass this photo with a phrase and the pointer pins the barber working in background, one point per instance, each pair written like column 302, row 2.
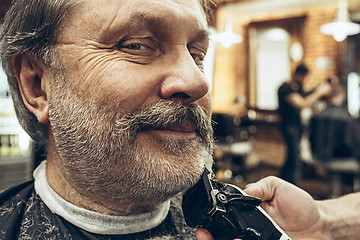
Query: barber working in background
column 292, row 99
column 117, row 93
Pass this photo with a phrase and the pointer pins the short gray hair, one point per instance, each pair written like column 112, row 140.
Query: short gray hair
column 31, row 27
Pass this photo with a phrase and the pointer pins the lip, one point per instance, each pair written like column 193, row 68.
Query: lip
column 176, row 132
column 180, row 128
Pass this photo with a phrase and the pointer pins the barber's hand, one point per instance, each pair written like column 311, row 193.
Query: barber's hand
column 324, row 89
column 293, row 209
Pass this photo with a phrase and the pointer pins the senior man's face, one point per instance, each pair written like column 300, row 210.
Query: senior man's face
column 130, row 108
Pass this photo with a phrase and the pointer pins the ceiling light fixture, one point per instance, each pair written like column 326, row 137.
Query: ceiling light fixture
column 228, row 37
column 341, row 27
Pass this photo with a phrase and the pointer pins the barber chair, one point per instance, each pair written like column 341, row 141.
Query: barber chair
column 233, row 145
column 334, row 142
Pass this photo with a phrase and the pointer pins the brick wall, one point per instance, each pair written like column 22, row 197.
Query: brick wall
column 320, row 47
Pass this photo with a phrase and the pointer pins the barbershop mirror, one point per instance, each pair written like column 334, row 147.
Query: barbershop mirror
column 274, row 48
column 272, row 65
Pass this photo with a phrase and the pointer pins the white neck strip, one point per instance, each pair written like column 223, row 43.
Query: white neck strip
column 93, row 221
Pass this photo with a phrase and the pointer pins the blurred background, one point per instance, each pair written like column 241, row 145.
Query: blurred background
column 255, row 46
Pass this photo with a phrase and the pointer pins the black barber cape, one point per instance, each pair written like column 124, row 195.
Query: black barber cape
column 24, row 215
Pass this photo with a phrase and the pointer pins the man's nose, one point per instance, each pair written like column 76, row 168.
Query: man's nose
column 184, row 80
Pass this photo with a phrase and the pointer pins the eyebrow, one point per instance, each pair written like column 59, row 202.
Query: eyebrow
column 156, row 24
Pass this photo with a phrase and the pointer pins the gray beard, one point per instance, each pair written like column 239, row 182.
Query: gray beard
column 103, row 158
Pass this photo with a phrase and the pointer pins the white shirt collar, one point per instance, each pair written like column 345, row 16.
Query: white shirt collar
column 93, row 221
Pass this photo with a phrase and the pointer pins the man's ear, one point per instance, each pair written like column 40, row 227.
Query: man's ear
column 32, row 81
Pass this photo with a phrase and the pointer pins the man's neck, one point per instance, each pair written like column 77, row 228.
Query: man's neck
column 62, row 187
column 92, row 221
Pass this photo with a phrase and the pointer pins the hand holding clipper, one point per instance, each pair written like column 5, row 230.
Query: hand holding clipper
column 227, row 212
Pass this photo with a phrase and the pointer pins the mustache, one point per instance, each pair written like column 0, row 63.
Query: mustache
column 164, row 114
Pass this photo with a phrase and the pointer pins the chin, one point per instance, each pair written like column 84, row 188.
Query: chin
column 167, row 173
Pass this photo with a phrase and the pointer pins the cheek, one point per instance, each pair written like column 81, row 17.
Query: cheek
column 108, row 76
column 128, row 92
column 116, row 83
column 122, row 93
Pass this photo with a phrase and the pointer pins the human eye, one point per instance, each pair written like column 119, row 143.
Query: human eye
column 134, row 46
column 143, row 47
column 198, row 56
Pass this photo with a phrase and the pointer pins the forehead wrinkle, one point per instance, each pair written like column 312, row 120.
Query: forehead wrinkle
column 123, row 19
